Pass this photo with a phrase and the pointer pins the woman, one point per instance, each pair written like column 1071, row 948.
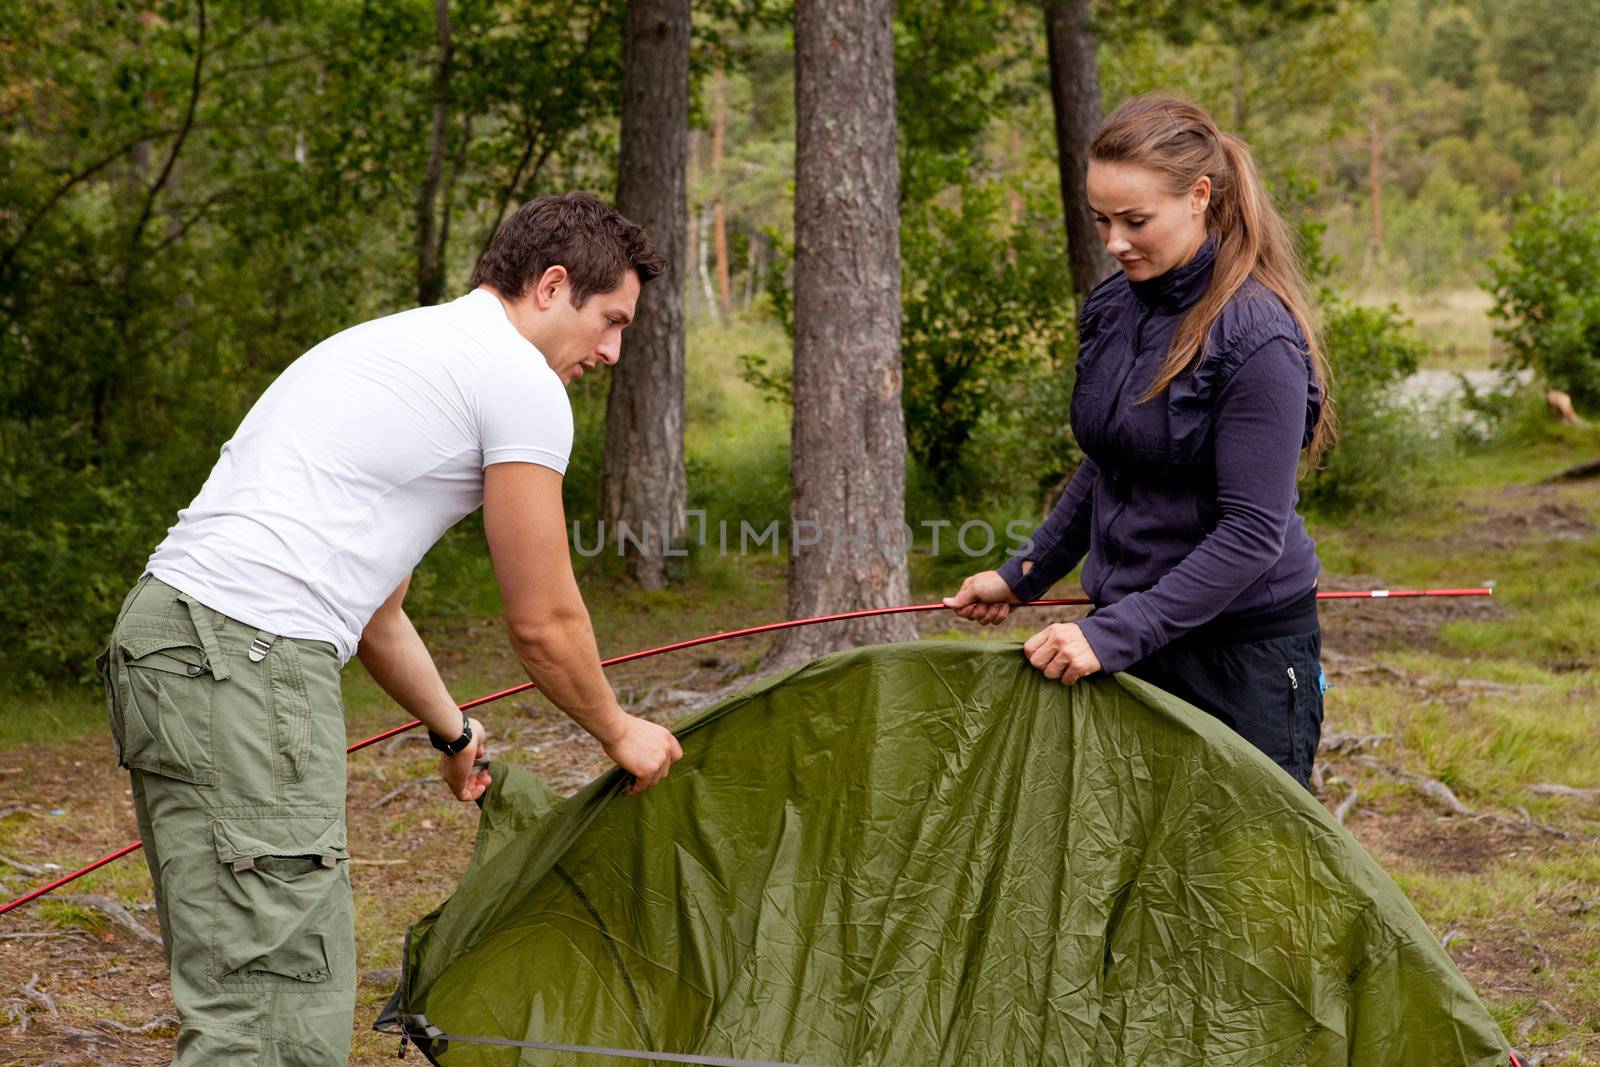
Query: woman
column 1199, row 384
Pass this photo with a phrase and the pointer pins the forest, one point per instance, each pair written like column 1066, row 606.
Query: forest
column 195, row 194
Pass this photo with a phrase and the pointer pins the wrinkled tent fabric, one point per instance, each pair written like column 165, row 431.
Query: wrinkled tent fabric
column 928, row 854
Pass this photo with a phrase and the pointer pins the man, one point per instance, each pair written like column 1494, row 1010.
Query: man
column 223, row 669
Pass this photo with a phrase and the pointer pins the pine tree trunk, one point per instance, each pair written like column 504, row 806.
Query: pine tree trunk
column 430, row 267
column 703, row 227
column 848, row 446
column 1075, row 93
column 642, row 481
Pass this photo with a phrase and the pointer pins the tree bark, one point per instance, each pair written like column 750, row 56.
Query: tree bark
column 1075, row 94
column 702, row 231
column 430, row 273
column 848, row 445
column 642, row 481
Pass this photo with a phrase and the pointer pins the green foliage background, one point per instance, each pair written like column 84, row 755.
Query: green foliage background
column 192, row 194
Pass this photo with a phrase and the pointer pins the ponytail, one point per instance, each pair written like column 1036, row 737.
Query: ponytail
column 1182, row 144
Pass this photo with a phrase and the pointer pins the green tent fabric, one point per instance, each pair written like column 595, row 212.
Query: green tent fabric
column 927, row 854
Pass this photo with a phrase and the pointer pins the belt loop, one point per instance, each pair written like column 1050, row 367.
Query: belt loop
column 208, row 637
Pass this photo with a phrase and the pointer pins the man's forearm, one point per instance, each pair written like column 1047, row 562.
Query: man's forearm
column 561, row 657
column 393, row 653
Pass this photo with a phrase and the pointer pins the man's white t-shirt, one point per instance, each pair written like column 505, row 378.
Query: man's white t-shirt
column 355, row 461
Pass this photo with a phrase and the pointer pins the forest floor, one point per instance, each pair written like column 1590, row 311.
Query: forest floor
column 1467, row 731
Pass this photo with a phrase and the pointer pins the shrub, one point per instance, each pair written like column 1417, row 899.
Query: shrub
column 1544, row 291
column 1384, row 442
column 989, row 327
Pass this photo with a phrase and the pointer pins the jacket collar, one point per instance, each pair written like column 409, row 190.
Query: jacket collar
column 1182, row 286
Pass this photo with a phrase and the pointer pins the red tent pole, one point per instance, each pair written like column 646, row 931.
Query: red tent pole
column 728, row 635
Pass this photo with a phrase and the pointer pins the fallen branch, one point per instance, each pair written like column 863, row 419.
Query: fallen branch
column 43, row 935
column 393, row 745
column 113, row 911
column 1553, row 789
column 1576, row 474
column 26, row 868
column 94, row 1037
column 399, row 791
column 160, row 1022
column 1346, row 805
column 1437, row 790
column 39, row 996
column 1342, row 743
column 1529, row 820
column 1546, row 1010
column 1428, row 787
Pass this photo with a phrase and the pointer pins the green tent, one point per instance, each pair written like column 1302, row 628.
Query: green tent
column 928, row 854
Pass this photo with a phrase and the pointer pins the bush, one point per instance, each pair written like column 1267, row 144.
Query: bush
column 989, row 328
column 1544, row 291
column 1380, row 457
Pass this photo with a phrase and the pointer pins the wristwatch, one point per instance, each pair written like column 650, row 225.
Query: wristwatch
column 450, row 748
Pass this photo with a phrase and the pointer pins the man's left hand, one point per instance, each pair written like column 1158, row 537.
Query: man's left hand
column 1061, row 651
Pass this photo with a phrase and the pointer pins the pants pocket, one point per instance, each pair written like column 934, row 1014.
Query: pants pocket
column 159, row 691
column 291, row 714
column 284, row 917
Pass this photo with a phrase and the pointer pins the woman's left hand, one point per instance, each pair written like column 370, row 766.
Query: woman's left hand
column 1061, row 651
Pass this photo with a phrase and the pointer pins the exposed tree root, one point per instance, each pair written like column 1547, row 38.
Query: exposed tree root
column 1347, row 805
column 1575, row 474
column 160, row 1022
column 113, row 911
column 399, row 791
column 1553, row 789
column 27, row 868
column 32, row 991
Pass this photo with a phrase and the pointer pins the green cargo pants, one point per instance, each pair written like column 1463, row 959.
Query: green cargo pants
column 235, row 741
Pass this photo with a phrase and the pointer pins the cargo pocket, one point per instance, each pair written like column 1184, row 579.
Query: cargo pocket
column 159, row 690
column 291, row 714
column 284, row 918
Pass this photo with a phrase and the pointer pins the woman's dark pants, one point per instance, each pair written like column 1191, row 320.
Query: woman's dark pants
column 1268, row 691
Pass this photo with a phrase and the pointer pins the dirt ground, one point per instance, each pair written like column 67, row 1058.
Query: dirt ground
column 79, row 986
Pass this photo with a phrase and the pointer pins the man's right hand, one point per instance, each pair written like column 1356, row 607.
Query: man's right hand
column 644, row 750
column 985, row 598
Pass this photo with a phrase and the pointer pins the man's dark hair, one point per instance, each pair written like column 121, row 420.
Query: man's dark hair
column 580, row 232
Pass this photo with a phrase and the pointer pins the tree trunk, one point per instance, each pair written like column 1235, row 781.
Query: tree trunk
column 848, row 445
column 703, row 227
column 1075, row 93
column 719, row 121
column 642, row 480
column 430, row 273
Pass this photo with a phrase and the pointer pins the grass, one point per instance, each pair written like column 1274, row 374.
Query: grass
column 1455, row 323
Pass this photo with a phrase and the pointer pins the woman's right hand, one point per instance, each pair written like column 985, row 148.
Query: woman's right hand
column 985, row 598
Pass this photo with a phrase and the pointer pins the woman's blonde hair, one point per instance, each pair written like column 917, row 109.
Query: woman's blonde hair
column 1181, row 143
